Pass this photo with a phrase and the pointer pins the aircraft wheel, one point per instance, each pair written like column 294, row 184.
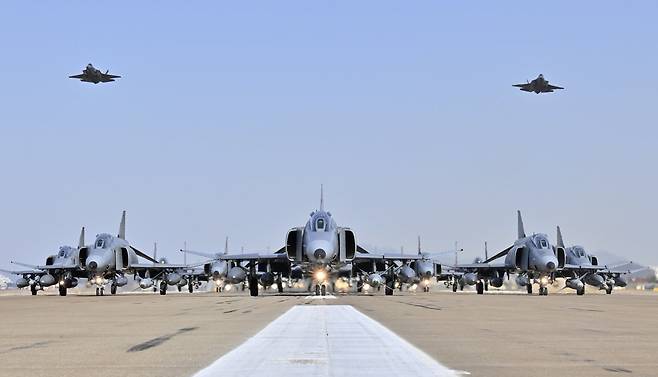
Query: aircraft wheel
column 253, row 287
column 454, row 287
column 113, row 289
column 390, row 287
column 543, row 291
column 486, row 286
column 580, row 291
column 62, row 290
column 33, row 290
column 279, row 285
column 608, row 290
column 323, row 290
column 179, row 288
column 359, row 286
column 529, row 288
column 102, row 291
column 479, row 287
column 98, row 291
column 163, row 288
column 317, row 289
column 190, row 288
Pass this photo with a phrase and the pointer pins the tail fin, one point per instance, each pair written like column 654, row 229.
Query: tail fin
column 155, row 250
column 486, row 252
column 321, row 197
column 226, row 246
column 520, row 225
column 122, row 227
column 560, row 241
column 81, row 242
column 419, row 252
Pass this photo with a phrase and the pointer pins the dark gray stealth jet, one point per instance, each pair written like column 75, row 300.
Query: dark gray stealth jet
column 91, row 74
column 538, row 85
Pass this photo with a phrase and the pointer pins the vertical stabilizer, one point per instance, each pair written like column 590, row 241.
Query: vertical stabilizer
column 560, row 241
column 226, row 246
column 321, row 198
column 155, row 250
column 486, row 252
column 122, row 227
column 81, row 242
column 520, row 225
column 419, row 252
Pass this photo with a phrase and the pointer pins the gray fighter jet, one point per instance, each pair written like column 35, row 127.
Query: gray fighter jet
column 61, row 269
column 479, row 274
column 163, row 274
column 109, row 259
column 538, row 85
column 532, row 258
column 582, row 268
column 91, row 74
column 320, row 252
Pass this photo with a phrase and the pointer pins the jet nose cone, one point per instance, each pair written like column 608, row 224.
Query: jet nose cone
column 550, row 266
column 320, row 254
column 92, row 265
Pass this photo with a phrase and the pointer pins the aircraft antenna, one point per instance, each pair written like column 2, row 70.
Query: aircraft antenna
column 184, row 254
column 321, row 197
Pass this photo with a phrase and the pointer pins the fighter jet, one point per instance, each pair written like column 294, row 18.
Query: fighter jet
column 320, row 252
column 538, row 85
column 61, row 269
column 226, row 269
column 532, row 258
column 479, row 274
column 163, row 274
column 109, row 259
column 582, row 268
column 91, row 74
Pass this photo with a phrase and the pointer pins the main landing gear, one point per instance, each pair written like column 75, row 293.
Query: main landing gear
column 62, row 290
column 479, row 287
column 253, row 286
column 100, row 291
column 163, row 288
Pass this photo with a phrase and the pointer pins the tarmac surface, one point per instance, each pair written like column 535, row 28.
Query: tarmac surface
column 181, row 334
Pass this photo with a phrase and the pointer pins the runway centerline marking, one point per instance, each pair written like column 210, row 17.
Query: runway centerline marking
column 326, row 340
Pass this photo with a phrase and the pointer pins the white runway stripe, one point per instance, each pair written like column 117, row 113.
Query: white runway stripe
column 325, row 340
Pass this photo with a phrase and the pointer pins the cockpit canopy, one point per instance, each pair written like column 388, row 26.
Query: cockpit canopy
column 65, row 251
column 578, row 251
column 102, row 241
column 541, row 241
column 320, row 221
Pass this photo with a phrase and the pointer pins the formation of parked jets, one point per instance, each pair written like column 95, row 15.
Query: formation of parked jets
column 320, row 256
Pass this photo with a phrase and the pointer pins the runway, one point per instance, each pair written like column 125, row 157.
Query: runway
column 181, row 334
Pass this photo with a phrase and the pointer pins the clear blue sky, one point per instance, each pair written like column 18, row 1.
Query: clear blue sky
column 230, row 116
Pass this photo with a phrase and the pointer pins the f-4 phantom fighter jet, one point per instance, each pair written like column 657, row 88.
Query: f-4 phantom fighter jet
column 61, row 269
column 532, row 258
column 91, row 74
column 538, row 85
column 583, row 268
column 109, row 258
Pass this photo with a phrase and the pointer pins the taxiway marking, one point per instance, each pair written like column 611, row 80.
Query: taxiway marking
column 325, row 340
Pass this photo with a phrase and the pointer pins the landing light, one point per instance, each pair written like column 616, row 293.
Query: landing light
column 228, row 287
column 543, row 280
column 320, row 275
column 99, row 280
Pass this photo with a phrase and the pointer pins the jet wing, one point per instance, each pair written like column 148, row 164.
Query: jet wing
column 24, row 272
column 524, row 87
column 480, row 267
column 253, row 257
column 501, row 254
column 107, row 78
column 586, row 267
column 80, row 76
column 553, row 87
